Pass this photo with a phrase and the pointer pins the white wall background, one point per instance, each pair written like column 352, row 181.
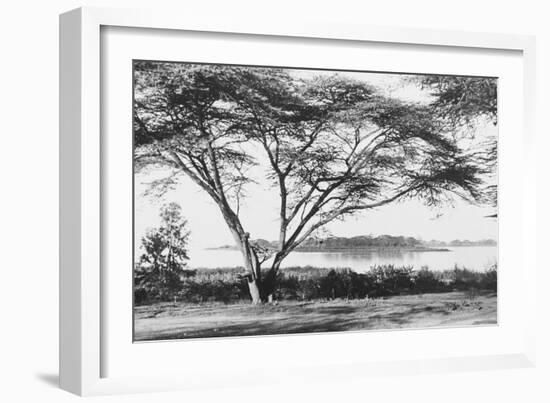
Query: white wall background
column 29, row 201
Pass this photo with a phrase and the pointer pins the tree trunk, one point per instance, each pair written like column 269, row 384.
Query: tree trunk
column 255, row 294
column 269, row 283
column 253, row 276
column 261, row 289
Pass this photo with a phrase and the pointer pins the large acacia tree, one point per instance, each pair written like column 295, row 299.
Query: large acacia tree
column 335, row 147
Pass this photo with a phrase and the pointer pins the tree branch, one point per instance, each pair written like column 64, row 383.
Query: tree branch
column 345, row 210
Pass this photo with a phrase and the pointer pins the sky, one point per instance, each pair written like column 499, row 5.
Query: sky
column 260, row 210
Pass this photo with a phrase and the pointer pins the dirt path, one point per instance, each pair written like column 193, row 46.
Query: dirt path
column 178, row 321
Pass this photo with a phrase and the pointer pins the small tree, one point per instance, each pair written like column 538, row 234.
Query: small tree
column 161, row 266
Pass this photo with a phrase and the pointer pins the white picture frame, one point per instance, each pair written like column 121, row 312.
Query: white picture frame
column 83, row 175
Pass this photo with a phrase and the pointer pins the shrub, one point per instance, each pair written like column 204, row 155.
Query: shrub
column 489, row 279
column 390, row 280
column 427, row 281
column 140, row 296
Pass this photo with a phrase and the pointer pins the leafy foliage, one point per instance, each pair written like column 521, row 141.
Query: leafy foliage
column 463, row 99
column 462, row 102
column 160, row 269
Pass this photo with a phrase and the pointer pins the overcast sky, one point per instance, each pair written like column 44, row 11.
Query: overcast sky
column 259, row 212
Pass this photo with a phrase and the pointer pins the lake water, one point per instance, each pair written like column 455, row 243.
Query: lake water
column 471, row 257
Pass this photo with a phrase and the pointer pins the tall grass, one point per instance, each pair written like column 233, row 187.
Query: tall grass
column 311, row 283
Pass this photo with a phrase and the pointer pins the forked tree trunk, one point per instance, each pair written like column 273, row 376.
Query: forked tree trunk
column 261, row 288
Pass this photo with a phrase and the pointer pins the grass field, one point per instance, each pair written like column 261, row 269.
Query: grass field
column 164, row 321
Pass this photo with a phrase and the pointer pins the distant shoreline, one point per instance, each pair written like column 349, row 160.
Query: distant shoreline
column 348, row 250
column 368, row 243
column 371, row 249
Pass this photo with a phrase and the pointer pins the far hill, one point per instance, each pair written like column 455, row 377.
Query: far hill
column 458, row 242
column 362, row 242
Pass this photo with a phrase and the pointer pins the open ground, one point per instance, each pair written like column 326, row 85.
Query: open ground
column 165, row 321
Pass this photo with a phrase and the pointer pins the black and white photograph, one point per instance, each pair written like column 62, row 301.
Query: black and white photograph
column 273, row 200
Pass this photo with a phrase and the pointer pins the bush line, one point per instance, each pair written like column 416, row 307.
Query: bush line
column 309, row 283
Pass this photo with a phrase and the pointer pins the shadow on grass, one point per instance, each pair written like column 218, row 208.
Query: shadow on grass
column 186, row 321
column 305, row 320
